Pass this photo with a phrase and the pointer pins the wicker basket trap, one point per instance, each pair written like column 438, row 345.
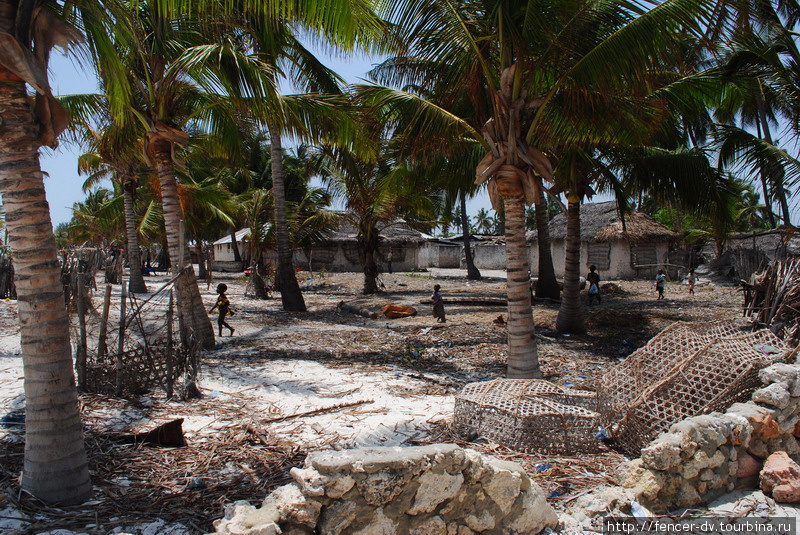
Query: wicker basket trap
column 684, row 371
column 529, row 415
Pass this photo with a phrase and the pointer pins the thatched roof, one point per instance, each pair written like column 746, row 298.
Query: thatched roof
column 600, row 222
column 395, row 233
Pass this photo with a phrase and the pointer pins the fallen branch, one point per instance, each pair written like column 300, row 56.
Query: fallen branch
column 355, row 309
column 471, row 301
column 314, row 412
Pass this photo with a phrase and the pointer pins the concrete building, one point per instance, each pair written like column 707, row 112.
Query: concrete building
column 409, row 249
column 636, row 249
column 223, row 251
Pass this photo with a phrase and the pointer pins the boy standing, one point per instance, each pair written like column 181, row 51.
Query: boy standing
column 594, row 284
column 438, row 304
column 661, row 281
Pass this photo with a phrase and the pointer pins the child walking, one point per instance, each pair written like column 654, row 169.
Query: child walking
column 224, row 307
column 661, row 281
column 692, row 282
column 438, row 304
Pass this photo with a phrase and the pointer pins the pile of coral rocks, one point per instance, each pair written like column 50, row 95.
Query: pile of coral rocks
column 428, row 490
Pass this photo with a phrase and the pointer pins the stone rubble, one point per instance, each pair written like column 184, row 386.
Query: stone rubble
column 440, row 489
column 781, row 478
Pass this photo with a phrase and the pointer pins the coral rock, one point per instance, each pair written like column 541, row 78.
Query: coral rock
column 781, row 478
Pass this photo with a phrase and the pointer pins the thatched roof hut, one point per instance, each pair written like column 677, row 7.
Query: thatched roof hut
column 600, row 222
column 395, row 233
column 637, row 249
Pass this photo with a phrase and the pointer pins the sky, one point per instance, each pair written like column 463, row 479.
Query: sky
column 63, row 185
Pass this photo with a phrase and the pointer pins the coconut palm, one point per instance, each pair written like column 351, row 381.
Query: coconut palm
column 97, row 220
column 55, row 461
column 114, row 151
column 274, row 40
column 756, row 77
column 182, row 74
column 377, row 193
column 553, row 70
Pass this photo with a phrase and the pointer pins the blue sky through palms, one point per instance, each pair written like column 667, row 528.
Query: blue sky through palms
column 63, row 184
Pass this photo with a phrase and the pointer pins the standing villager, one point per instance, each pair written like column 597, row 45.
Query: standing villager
column 692, row 282
column 438, row 304
column 661, row 282
column 594, row 284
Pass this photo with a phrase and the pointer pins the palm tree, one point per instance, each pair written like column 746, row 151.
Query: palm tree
column 483, row 221
column 546, row 284
column 55, row 460
column 115, row 152
column 275, row 43
column 756, row 77
column 377, row 194
column 178, row 69
column 552, row 70
column 97, row 220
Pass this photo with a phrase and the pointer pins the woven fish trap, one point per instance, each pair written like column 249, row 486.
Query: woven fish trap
column 708, row 376
column 529, row 415
column 650, row 363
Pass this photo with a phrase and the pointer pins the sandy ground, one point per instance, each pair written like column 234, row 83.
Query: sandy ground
column 394, row 378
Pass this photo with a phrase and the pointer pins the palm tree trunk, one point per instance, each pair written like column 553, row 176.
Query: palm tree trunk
column 779, row 189
column 192, row 308
column 570, row 315
column 201, row 260
column 473, row 273
column 523, row 358
column 55, row 468
column 237, row 256
column 367, row 245
column 291, row 296
column 137, row 284
column 546, row 283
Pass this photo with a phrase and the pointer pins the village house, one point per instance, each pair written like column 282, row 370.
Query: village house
column 410, row 250
column 636, row 250
column 223, row 251
column 339, row 252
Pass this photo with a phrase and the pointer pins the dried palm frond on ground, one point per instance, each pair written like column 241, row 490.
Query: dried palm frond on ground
column 140, row 483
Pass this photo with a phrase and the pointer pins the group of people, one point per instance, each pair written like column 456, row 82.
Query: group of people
column 593, row 278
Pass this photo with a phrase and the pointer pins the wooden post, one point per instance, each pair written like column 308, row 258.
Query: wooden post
column 121, row 345
column 170, row 312
column 81, row 352
column 102, row 344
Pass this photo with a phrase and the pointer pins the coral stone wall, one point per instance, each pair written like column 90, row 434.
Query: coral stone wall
column 702, row 457
column 429, row 490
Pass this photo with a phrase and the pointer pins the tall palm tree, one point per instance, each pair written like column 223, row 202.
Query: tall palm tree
column 546, row 284
column 274, row 39
column 114, row 151
column 756, row 76
column 55, row 467
column 377, row 193
column 551, row 69
column 182, row 74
